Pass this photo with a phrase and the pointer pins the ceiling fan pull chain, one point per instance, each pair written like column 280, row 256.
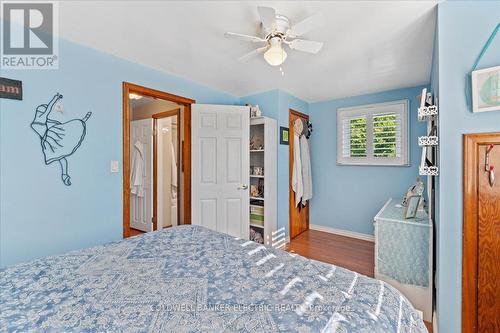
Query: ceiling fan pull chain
column 282, row 61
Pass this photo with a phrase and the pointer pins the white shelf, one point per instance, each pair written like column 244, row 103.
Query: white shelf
column 265, row 133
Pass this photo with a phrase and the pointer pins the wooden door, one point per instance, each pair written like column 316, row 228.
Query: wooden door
column 220, row 168
column 299, row 218
column 481, row 236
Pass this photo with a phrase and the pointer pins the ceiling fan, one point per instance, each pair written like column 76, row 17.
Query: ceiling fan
column 280, row 32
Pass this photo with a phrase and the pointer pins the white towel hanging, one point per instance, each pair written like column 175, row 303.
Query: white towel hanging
column 137, row 171
column 305, row 159
column 297, row 181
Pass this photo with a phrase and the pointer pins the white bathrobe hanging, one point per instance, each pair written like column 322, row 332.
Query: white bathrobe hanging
column 173, row 195
column 137, row 171
column 297, row 184
column 173, row 169
column 305, row 159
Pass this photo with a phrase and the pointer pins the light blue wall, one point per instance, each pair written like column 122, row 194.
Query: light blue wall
column 267, row 101
column 464, row 27
column 40, row 216
column 275, row 104
column 348, row 197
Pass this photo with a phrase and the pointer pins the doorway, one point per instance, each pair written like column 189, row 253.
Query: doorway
column 156, row 159
column 299, row 215
column 481, row 233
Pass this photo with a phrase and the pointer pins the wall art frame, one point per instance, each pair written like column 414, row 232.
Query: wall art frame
column 284, row 136
column 486, row 89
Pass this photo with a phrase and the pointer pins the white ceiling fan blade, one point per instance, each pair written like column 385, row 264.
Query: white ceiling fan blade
column 303, row 45
column 253, row 53
column 310, row 23
column 244, row 37
column 267, row 16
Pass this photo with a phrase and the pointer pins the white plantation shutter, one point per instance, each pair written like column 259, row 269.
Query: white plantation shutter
column 374, row 134
column 387, row 135
column 354, row 137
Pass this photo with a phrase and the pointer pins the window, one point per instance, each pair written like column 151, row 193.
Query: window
column 374, row 134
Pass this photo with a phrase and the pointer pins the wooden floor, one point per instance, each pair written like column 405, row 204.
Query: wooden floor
column 354, row 254
column 135, row 232
column 351, row 253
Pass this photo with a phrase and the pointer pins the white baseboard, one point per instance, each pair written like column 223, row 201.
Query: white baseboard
column 341, row 232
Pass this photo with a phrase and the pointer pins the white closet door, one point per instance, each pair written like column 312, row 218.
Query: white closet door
column 221, row 168
column 141, row 208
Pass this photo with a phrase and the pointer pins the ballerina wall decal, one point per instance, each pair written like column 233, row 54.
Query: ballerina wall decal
column 58, row 140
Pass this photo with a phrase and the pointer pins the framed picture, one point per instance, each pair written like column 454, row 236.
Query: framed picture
column 11, row 89
column 284, row 135
column 411, row 208
column 486, row 89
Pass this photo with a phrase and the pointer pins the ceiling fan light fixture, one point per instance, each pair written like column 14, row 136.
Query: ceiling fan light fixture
column 279, row 31
column 276, row 55
column 134, row 96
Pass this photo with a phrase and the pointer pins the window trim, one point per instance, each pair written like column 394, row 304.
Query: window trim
column 369, row 110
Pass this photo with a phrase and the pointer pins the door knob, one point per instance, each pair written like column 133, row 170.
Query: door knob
column 243, row 187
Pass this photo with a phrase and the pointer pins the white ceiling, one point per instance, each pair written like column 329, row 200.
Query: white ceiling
column 370, row 46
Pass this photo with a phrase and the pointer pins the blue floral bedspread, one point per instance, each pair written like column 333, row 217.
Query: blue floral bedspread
column 191, row 279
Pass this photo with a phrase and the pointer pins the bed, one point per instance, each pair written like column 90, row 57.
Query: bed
column 192, row 279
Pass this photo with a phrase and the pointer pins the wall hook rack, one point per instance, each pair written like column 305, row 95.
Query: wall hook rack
column 428, row 112
column 489, row 168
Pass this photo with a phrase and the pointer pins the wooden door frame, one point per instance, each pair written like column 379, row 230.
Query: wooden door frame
column 291, row 205
column 128, row 88
column 175, row 112
column 471, row 168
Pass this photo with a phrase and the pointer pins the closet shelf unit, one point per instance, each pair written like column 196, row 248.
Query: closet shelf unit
column 263, row 179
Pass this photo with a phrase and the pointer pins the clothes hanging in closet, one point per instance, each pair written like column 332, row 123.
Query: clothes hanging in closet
column 305, row 160
column 137, row 171
column 301, row 170
column 173, row 194
column 297, row 185
column 173, row 169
